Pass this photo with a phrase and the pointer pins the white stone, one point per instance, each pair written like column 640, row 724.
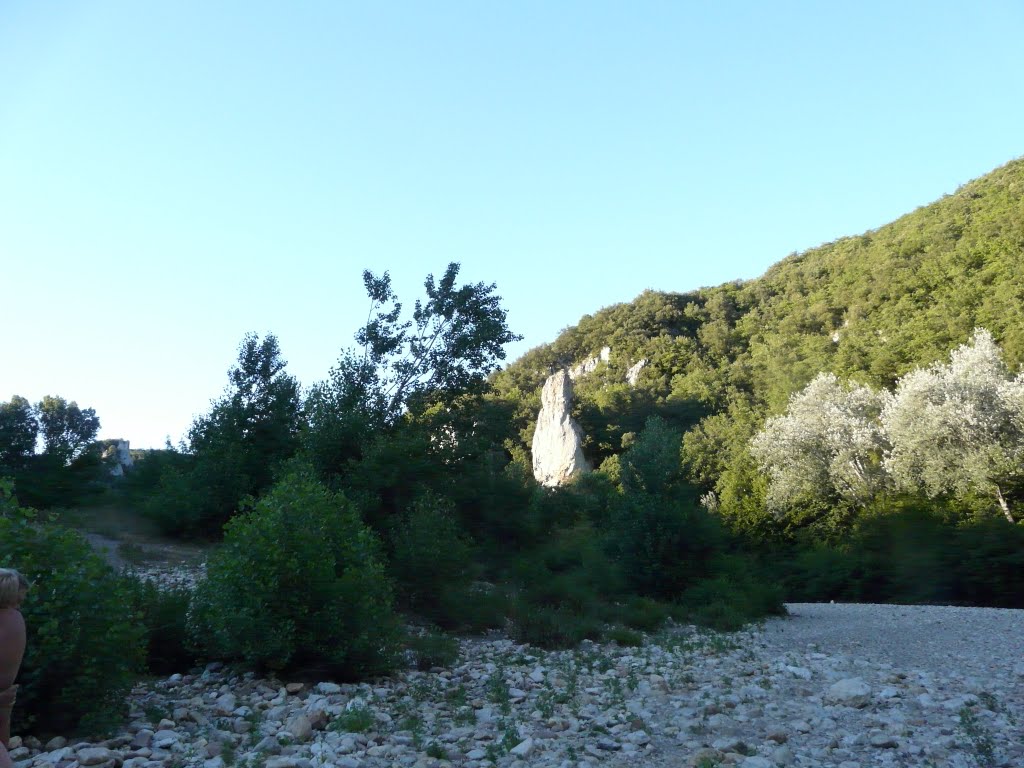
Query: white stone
column 802, row 672
column 300, row 727
column 120, row 456
column 523, row 748
column 225, row 704
column 96, row 755
column 850, row 692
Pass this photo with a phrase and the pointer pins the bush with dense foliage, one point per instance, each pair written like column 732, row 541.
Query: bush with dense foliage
column 299, row 581
column 163, row 613
column 431, row 559
column 661, row 538
column 69, row 468
column 85, row 644
column 903, row 551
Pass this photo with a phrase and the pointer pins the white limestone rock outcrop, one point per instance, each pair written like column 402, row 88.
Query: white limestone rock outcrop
column 120, row 452
column 558, row 440
column 590, row 365
column 633, row 374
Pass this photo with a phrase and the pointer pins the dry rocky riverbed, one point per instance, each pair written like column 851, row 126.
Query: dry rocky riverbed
column 755, row 699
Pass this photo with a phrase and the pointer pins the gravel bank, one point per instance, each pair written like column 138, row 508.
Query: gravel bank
column 932, row 638
column 835, row 686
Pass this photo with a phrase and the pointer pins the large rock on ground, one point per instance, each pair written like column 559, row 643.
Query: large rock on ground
column 558, row 440
column 851, row 692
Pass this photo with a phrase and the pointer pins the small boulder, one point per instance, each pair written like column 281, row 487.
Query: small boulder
column 851, row 692
column 97, row 755
column 225, row 704
column 300, row 727
column 523, row 748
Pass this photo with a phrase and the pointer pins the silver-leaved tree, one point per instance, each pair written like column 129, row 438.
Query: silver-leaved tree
column 953, row 428
column 958, row 427
column 829, row 445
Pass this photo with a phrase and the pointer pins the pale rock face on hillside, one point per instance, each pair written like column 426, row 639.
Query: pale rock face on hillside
column 558, row 440
column 590, row 365
column 633, row 374
column 121, row 453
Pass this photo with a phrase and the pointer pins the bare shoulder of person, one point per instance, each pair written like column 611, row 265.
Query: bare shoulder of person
column 11, row 621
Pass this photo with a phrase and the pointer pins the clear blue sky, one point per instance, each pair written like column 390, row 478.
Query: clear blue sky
column 174, row 174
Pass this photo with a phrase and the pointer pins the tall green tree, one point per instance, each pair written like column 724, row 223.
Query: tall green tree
column 18, row 431
column 659, row 536
column 248, row 432
column 407, row 367
column 455, row 338
column 67, row 430
column 234, row 450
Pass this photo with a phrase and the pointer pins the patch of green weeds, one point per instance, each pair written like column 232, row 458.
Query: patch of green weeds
column 155, row 713
column 355, row 720
column 978, row 737
column 615, row 690
column 624, row 637
column 456, row 696
column 498, row 691
column 546, row 704
column 434, row 649
column 509, row 737
column 414, row 724
column 436, row 751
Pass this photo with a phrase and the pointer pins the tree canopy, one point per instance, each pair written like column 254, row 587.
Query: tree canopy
column 67, row 430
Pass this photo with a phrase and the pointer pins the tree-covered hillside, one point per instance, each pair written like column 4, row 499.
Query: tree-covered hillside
column 868, row 308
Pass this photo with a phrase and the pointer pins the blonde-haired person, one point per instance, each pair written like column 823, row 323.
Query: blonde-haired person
column 13, row 588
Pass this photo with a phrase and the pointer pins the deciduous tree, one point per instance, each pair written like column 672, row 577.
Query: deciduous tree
column 828, row 445
column 455, row 338
column 67, row 430
column 18, row 430
column 958, row 427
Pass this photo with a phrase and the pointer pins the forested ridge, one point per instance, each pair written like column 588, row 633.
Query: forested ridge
column 868, row 308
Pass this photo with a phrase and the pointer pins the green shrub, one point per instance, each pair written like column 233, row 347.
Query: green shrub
column 354, row 720
column 720, row 615
column 433, row 649
column 906, row 556
column 171, row 506
column 164, row 614
column 989, row 566
column 641, row 613
column 624, row 636
column 734, row 597
column 475, row 608
column 297, row 581
column 430, row 558
column 663, row 545
column 85, row 645
column 913, row 553
column 820, row 574
column 548, row 627
column 569, row 570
